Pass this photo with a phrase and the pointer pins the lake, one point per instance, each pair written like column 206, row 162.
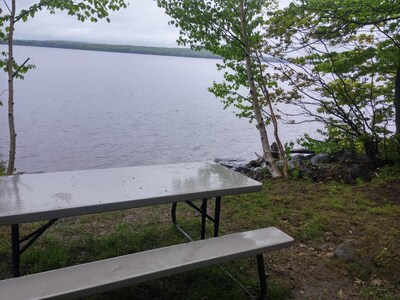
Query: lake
column 86, row 109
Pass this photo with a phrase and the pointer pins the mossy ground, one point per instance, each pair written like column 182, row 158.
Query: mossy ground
column 320, row 216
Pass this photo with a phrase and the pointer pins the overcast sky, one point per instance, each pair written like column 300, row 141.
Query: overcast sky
column 142, row 23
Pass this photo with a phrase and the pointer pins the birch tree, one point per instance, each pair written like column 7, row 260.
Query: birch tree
column 232, row 30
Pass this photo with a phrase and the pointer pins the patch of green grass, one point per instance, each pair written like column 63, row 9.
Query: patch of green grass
column 49, row 254
column 388, row 173
column 315, row 227
column 378, row 293
column 279, row 290
column 339, row 203
column 387, row 210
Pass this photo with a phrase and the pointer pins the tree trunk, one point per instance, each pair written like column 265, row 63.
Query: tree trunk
column 397, row 104
column 371, row 150
column 10, row 62
column 282, row 154
column 272, row 168
column 281, row 150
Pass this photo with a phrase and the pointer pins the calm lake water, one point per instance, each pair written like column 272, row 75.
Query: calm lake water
column 85, row 109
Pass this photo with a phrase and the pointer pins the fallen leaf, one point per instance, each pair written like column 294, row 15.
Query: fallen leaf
column 376, row 282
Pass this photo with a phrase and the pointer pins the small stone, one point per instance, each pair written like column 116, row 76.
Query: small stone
column 345, row 251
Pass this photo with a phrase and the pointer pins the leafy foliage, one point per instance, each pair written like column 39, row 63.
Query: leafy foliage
column 2, row 168
column 344, row 66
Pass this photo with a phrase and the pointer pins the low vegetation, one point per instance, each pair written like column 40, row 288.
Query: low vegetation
column 320, row 216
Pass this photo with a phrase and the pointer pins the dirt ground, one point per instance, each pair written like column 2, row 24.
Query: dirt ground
column 372, row 235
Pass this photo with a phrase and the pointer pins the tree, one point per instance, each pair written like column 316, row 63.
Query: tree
column 92, row 10
column 382, row 18
column 232, row 30
column 339, row 67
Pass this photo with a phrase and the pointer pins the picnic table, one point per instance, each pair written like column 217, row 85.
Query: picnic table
column 50, row 196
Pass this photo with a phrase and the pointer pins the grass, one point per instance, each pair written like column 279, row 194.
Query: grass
column 320, row 216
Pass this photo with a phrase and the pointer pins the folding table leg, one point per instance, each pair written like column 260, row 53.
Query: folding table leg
column 203, row 218
column 15, row 249
column 175, row 222
column 27, row 241
column 173, row 213
column 262, row 277
column 217, row 215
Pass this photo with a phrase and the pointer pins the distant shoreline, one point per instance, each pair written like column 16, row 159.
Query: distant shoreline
column 180, row 52
column 146, row 50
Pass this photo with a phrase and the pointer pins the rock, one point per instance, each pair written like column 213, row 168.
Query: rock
column 302, row 151
column 231, row 163
column 242, row 169
column 298, row 158
column 275, row 150
column 345, row 251
column 254, row 169
column 343, row 156
column 255, row 163
column 258, row 169
column 321, row 158
column 358, row 171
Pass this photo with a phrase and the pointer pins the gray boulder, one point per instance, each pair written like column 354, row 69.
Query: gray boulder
column 320, row 159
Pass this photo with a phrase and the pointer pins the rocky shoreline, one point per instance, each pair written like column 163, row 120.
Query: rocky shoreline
column 342, row 167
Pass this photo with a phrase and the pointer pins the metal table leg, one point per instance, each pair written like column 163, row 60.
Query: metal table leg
column 15, row 249
column 16, row 242
column 262, row 277
column 217, row 215
column 204, row 216
column 203, row 219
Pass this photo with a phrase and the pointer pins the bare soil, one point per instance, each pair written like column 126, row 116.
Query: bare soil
column 373, row 231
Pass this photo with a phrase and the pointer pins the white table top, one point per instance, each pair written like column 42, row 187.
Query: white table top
column 34, row 197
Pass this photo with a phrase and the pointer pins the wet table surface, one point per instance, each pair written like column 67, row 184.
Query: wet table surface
column 34, row 197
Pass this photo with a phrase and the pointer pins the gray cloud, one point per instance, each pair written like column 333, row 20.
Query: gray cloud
column 142, row 23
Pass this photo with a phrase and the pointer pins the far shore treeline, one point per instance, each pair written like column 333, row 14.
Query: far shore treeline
column 184, row 52
column 147, row 50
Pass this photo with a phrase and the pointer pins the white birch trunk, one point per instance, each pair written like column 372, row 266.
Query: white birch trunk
column 11, row 124
column 271, row 166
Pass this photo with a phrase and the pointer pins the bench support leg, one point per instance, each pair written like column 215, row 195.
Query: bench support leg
column 262, row 277
column 29, row 239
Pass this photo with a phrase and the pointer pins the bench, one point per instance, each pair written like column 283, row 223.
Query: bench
column 100, row 276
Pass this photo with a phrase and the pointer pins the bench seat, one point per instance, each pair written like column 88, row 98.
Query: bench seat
column 99, row 276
